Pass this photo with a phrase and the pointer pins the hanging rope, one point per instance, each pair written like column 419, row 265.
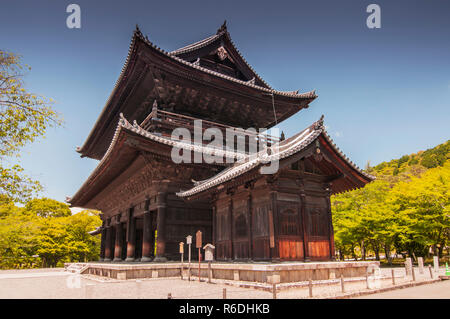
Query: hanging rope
column 274, row 113
column 273, row 106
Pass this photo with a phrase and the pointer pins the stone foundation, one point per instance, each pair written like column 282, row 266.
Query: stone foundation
column 263, row 273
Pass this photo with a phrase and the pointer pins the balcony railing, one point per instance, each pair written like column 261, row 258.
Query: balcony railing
column 158, row 119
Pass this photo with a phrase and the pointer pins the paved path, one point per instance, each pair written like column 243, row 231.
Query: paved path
column 439, row 290
column 55, row 283
column 58, row 284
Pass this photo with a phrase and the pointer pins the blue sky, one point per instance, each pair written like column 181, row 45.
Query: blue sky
column 384, row 92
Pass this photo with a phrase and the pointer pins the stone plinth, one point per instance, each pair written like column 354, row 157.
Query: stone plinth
column 252, row 272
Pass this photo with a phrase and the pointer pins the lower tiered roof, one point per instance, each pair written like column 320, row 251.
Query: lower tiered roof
column 351, row 176
column 132, row 140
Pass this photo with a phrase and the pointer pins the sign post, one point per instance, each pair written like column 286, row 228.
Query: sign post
column 189, row 242
column 156, row 241
column 182, row 252
column 209, row 257
column 198, row 244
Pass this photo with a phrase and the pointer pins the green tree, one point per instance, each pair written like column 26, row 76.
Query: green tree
column 24, row 117
column 46, row 207
column 423, row 205
column 42, row 234
column 406, row 209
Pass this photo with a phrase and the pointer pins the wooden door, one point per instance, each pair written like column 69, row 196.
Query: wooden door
column 290, row 244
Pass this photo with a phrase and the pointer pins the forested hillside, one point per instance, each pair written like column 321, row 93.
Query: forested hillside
column 406, row 210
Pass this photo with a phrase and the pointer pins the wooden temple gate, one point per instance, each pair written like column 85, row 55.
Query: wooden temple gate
column 150, row 203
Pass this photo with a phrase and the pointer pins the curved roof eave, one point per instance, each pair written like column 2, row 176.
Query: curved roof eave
column 135, row 128
column 137, row 34
column 288, row 147
column 221, row 32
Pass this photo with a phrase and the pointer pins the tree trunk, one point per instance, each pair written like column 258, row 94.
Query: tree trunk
column 440, row 249
column 353, row 253
column 377, row 253
column 363, row 250
column 387, row 254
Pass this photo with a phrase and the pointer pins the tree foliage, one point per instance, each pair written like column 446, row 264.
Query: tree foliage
column 46, row 207
column 407, row 209
column 24, row 117
column 45, row 234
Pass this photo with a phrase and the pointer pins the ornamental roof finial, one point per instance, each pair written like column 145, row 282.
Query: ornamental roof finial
column 223, row 27
column 319, row 123
column 137, row 30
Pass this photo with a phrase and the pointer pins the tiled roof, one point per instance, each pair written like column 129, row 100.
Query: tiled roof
column 285, row 148
column 204, row 149
column 124, row 124
column 292, row 94
column 222, row 32
column 138, row 34
column 196, row 45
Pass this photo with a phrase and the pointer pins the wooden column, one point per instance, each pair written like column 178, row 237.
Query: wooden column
column 230, row 216
column 131, row 236
column 304, row 225
column 108, row 241
column 119, row 239
column 214, row 226
column 249, row 224
column 147, row 234
column 330, row 224
column 275, row 255
column 102, row 242
column 160, row 228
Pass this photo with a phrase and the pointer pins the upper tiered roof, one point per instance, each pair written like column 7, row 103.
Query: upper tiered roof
column 208, row 79
column 221, row 44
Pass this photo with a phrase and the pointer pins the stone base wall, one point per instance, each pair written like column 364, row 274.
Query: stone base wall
column 263, row 273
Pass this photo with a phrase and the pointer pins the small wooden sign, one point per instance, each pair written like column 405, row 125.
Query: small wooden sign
column 198, row 239
column 156, row 240
column 181, row 247
column 189, row 240
column 209, row 252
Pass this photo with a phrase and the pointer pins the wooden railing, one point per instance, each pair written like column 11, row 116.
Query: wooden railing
column 175, row 120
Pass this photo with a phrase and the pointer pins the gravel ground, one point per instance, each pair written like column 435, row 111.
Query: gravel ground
column 55, row 283
column 439, row 290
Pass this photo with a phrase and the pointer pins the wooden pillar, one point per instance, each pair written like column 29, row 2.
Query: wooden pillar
column 230, row 216
column 275, row 255
column 304, row 226
column 131, row 236
column 330, row 224
column 102, row 242
column 108, row 241
column 147, row 234
column 214, row 225
column 160, row 228
column 119, row 238
column 249, row 224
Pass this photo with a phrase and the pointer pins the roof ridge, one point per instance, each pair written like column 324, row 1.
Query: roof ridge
column 138, row 34
column 245, row 61
column 299, row 141
column 222, row 31
column 307, row 95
